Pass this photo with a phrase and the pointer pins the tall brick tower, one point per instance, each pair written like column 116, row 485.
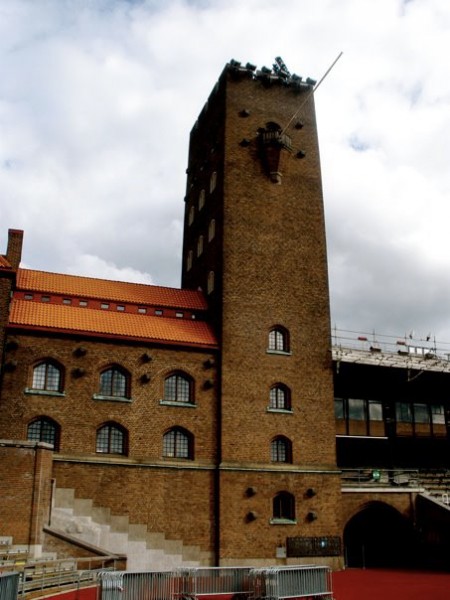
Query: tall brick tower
column 255, row 243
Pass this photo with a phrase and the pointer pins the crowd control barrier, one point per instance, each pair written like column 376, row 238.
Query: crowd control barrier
column 129, row 585
column 218, row 583
column 288, row 583
column 212, row 583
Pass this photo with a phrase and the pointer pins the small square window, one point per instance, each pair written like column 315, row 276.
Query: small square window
column 28, row 296
column 104, row 306
column 179, row 315
column 142, row 310
column 83, row 303
column 120, row 307
column 67, row 301
column 45, row 298
column 158, row 313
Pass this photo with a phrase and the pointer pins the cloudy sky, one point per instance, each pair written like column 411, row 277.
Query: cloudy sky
column 97, row 98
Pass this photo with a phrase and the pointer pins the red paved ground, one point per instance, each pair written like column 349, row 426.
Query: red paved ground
column 375, row 584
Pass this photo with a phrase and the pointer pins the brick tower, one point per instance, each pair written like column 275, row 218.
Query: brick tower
column 254, row 241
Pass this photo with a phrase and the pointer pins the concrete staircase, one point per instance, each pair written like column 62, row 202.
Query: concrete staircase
column 437, row 485
column 145, row 550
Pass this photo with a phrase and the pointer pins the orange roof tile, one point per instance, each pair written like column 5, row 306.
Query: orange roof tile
column 26, row 314
column 103, row 289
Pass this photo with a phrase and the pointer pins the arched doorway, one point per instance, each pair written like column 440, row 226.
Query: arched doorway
column 379, row 536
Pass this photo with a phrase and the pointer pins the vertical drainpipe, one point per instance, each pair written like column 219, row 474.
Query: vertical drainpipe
column 217, row 469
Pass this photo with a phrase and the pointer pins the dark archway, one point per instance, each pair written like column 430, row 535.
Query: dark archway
column 380, row 537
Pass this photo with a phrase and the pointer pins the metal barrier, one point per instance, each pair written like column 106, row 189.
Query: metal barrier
column 129, row 585
column 9, row 586
column 305, row 581
column 219, row 583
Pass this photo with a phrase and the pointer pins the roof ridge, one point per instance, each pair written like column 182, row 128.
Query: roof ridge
column 152, row 285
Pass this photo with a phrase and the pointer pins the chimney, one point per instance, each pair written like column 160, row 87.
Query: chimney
column 14, row 250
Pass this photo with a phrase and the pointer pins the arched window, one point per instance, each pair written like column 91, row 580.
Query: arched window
column 280, row 397
column 191, row 215
column 278, row 340
column 178, row 443
column 114, row 382
column 211, row 229
column 210, row 285
column 111, row 439
column 44, row 429
column 178, row 388
column 47, row 376
column 200, row 245
column 281, row 450
column 284, row 506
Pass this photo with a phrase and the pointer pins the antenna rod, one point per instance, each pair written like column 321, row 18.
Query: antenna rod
column 312, row 92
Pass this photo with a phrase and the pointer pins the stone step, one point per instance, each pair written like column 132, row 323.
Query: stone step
column 146, row 550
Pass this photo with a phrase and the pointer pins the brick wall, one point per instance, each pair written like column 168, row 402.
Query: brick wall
column 25, row 473
column 354, row 502
column 173, row 496
column 79, row 414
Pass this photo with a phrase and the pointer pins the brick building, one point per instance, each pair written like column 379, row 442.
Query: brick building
column 198, row 425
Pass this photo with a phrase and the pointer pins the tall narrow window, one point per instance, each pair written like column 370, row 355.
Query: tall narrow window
column 44, row 429
column 212, row 182
column 111, row 439
column 278, row 340
column 201, row 200
column 178, row 443
column 178, row 388
column 47, row 376
column 114, row 383
column 281, row 450
column 279, row 397
column 211, row 230
column 284, row 507
column 189, row 260
column 200, row 245
column 210, row 285
column 191, row 215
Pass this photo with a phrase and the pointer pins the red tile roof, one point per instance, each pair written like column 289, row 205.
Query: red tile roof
column 70, row 319
column 116, row 291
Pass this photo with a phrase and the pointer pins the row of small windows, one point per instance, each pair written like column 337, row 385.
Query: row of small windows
column 142, row 310
column 115, row 383
column 405, row 412
column 357, row 416
column 112, row 438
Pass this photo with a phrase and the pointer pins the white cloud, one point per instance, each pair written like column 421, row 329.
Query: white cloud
column 93, row 266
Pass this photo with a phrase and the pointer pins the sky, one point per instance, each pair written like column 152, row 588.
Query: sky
column 97, row 99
